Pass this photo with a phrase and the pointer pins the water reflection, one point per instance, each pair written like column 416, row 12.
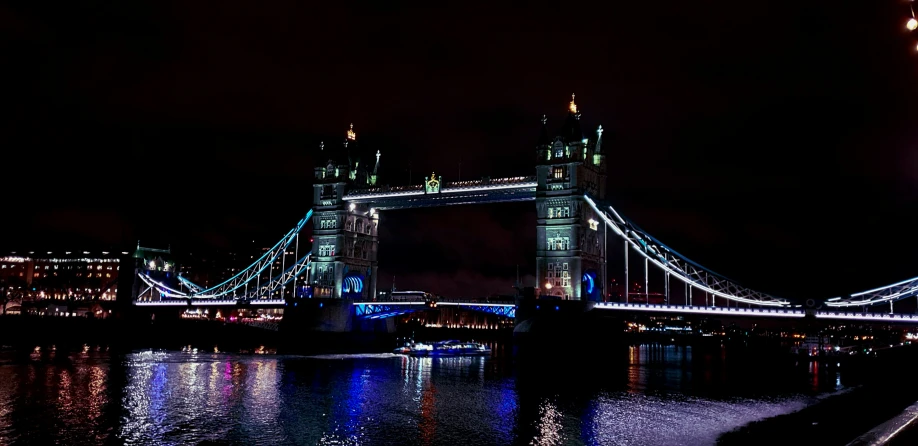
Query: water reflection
column 649, row 394
column 48, row 400
column 181, row 398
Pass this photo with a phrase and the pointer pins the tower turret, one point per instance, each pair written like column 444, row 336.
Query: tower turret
column 570, row 248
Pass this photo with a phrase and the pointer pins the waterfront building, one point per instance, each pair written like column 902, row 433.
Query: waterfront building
column 67, row 275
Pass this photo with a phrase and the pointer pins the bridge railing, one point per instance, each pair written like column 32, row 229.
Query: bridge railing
column 384, row 190
column 458, row 301
column 204, row 302
column 490, row 182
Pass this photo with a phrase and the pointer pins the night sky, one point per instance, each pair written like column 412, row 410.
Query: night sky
column 774, row 142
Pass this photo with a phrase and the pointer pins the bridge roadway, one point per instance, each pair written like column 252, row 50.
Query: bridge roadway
column 378, row 310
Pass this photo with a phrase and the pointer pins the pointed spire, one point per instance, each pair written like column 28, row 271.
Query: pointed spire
column 351, row 136
column 321, row 146
column 598, row 147
column 375, row 168
column 573, row 105
column 544, row 120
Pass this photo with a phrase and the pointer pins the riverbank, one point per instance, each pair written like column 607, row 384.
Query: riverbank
column 840, row 418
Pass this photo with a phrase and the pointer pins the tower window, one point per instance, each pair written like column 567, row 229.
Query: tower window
column 559, row 243
column 559, row 212
column 326, row 250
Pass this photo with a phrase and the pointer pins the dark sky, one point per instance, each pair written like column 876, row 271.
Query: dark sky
column 774, row 142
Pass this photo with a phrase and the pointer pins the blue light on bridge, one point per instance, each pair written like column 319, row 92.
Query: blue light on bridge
column 589, row 282
column 381, row 311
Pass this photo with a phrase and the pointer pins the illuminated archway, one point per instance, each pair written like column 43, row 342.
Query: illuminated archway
column 352, row 285
column 589, row 289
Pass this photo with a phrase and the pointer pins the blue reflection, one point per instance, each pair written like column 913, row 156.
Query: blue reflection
column 157, row 396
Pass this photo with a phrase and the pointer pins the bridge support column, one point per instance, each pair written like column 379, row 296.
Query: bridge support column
column 570, row 324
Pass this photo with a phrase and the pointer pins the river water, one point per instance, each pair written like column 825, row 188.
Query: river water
column 637, row 395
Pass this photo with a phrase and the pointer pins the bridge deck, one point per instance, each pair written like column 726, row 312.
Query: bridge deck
column 470, row 192
column 508, row 309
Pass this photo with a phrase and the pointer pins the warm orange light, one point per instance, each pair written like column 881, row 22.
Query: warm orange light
column 351, row 136
column 912, row 24
column 573, row 106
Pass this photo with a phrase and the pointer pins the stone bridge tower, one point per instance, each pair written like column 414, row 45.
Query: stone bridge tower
column 345, row 240
column 570, row 240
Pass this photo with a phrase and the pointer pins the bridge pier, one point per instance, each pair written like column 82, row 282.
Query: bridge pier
column 313, row 326
column 331, row 316
column 564, row 323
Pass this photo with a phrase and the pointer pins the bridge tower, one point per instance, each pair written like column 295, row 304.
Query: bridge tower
column 345, row 241
column 570, row 241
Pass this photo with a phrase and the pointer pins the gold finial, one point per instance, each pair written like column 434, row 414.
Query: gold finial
column 351, row 136
column 573, row 106
column 433, row 176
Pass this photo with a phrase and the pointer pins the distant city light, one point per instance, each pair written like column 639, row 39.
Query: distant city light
column 912, row 24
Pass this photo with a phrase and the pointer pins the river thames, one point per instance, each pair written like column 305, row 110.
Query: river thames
column 625, row 395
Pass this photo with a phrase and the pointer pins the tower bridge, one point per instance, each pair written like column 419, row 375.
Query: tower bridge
column 574, row 227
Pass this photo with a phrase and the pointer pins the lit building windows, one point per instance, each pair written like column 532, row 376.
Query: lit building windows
column 326, row 250
column 559, row 243
column 559, row 212
column 558, row 172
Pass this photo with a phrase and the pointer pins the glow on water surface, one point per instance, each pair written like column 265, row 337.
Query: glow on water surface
column 648, row 395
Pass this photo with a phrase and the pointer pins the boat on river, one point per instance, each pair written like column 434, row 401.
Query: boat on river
column 446, row 348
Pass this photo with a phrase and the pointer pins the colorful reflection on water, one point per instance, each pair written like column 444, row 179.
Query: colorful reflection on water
column 650, row 394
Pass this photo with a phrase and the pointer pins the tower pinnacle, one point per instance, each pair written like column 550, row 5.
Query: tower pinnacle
column 351, row 136
column 573, row 105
